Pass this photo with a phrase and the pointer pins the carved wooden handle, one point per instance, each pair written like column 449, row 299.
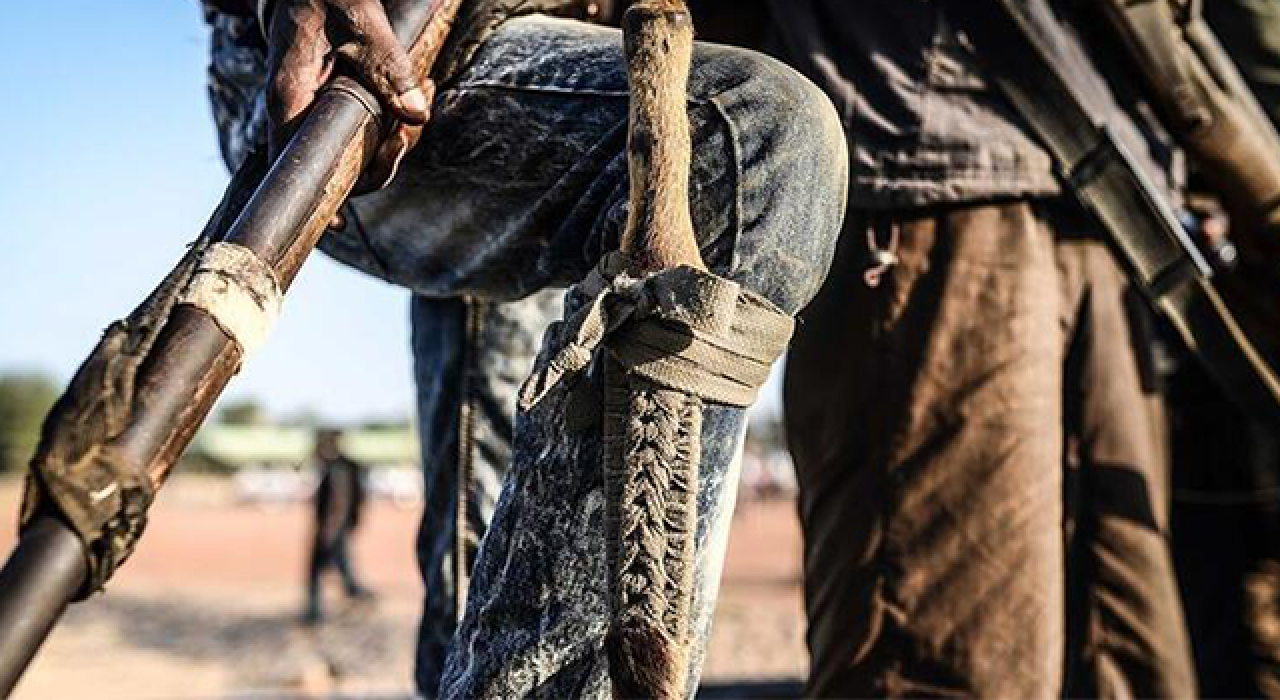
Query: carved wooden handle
column 658, row 42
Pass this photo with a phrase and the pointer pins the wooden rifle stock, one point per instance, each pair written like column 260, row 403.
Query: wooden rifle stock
column 280, row 217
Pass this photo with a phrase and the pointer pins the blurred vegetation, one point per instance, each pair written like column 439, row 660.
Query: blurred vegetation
column 25, row 398
column 243, row 412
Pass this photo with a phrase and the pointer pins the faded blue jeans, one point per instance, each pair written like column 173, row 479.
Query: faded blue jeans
column 519, row 185
column 469, row 358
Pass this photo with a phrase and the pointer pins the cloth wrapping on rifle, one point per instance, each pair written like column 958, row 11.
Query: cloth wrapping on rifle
column 669, row 342
column 240, row 293
column 76, row 471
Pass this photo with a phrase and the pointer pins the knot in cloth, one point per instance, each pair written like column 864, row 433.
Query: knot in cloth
column 684, row 329
column 239, row 291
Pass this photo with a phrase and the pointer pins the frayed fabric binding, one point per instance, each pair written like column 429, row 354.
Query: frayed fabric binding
column 668, row 344
column 652, row 442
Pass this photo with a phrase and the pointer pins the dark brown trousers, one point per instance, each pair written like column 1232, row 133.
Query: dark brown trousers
column 933, row 420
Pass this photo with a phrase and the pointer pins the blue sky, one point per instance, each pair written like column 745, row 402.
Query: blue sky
column 110, row 166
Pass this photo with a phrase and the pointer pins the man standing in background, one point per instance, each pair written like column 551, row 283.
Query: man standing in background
column 339, row 500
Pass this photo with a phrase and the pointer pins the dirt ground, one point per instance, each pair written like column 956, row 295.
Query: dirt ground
column 208, row 607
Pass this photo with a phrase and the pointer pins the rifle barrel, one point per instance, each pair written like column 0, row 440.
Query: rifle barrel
column 44, row 573
column 193, row 359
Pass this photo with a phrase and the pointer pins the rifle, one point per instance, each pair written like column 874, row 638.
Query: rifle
column 1211, row 109
column 1207, row 106
column 136, row 402
column 1027, row 56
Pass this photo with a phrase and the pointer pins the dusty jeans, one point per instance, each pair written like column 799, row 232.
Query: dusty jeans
column 928, row 418
column 469, row 357
column 520, row 184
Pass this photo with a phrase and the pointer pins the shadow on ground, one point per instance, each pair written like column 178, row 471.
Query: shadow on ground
column 269, row 649
column 265, row 648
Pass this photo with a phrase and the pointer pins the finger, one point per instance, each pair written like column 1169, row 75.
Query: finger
column 382, row 61
column 386, row 161
column 296, row 65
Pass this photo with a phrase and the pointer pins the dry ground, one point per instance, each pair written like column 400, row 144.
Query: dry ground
column 207, row 609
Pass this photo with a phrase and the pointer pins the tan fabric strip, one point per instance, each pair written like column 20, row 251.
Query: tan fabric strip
column 684, row 329
column 239, row 291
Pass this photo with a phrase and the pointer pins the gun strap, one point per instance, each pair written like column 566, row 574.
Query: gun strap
column 1018, row 40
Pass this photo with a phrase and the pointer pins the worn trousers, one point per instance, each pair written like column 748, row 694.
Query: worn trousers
column 330, row 551
column 931, row 418
column 519, row 184
column 469, row 358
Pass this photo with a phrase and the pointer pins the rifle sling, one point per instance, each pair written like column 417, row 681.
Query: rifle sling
column 1142, row 227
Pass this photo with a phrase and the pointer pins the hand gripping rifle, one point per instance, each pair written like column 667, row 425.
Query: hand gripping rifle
column 112, row 438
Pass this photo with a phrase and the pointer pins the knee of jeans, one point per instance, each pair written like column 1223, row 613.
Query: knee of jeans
column 794, row 170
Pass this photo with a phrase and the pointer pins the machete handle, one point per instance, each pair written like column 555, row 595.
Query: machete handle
column 658, row 45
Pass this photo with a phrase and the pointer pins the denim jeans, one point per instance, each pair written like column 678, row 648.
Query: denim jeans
column 469, row 358
column 520, row 184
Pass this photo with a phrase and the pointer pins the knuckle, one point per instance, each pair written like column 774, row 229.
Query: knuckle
column 382, row 66
column 285, row 97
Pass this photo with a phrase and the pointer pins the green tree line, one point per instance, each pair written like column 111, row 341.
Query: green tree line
column 25, row 398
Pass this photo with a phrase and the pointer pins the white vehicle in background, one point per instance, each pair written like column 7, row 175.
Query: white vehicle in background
column 402, row 486
column 273, row 487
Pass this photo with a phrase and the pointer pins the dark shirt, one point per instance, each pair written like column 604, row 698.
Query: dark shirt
column 339, row 496
column 925, row 125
